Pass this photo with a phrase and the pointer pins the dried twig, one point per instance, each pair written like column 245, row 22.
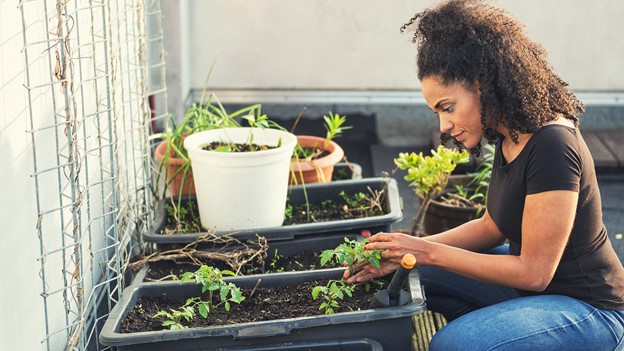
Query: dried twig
column 235, row 253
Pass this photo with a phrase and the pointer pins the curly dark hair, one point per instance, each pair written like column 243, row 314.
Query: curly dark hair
column 468, row 41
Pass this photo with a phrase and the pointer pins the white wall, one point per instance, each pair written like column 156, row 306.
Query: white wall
column 21, row 327
column 356, row 44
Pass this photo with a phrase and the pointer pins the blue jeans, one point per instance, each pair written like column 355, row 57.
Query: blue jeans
column 489, row 317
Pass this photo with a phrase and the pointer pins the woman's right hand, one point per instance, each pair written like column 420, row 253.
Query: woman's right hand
column 394, row 246
column 369, row 272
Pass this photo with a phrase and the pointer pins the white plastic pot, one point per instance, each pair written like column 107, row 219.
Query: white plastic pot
column 241, row 190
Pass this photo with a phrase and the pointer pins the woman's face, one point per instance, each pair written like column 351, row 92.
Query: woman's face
column 458, row 109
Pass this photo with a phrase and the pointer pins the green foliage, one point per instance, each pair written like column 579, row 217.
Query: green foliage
column 332, row 293
column 335, row 291
column 288, row 211
column 357, row 200
column 481, row 178
column 333, row 126
column 429, row 174
column 274, row 261
column 211, row 280
column 475, row 194
column 173, row 318
column 351, row 251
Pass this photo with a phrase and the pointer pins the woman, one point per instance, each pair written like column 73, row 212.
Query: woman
column 559, row 284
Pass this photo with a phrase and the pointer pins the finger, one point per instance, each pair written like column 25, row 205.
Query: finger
column 347, row 273
column 381, row 236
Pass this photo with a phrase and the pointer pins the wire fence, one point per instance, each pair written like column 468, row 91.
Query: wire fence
column 95, row 86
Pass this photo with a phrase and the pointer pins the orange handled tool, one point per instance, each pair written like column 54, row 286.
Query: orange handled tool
column 395, row 295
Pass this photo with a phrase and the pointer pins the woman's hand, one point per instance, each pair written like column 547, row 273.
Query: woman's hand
column 395, row 246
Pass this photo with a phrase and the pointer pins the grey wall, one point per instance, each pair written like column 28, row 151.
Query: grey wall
column 356, row 44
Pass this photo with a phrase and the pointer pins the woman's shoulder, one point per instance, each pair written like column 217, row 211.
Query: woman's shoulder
column 552, row 135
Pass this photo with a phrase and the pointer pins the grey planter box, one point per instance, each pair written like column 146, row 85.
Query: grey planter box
column 317, row 192
column 391, row 327
column 286, row 248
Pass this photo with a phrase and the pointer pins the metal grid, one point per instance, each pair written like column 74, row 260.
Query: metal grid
column 91, row 105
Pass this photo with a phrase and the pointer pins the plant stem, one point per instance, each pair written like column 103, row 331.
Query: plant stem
column 417, row 226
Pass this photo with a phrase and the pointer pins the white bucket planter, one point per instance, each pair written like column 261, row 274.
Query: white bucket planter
column 241, row 190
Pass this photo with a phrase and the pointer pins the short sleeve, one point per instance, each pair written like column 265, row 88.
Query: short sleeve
column 554, row 162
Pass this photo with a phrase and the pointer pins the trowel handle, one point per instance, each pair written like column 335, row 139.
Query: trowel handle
column 400, row 276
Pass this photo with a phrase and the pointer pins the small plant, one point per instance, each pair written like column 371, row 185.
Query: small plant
column 211, row 280
column 274, row 262
column 357, row 200
column 332, row 293
column 476, row 197
column 288, row 211
column 333, row 126
column 428, row 175
column 353, row 253
column 335, row 291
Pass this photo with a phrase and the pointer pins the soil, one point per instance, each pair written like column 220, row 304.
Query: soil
column 235, row 147
column 165, row 270
column 264, row 304
column 189, row 221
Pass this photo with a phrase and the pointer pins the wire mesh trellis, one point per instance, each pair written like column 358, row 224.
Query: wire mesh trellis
column 93, row 76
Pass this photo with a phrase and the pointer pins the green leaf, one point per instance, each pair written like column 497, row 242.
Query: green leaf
column 227, row 306
column 168, row 323
column 315, row 292
column 326, row 256
column 203, row 309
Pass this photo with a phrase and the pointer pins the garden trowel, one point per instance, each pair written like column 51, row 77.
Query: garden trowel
column 395, row 295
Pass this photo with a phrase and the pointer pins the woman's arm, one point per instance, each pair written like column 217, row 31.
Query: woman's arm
column 547, row 222
column 478, row 235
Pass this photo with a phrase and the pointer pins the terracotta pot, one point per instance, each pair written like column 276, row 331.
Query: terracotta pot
column 174, row 164
column 318, row 170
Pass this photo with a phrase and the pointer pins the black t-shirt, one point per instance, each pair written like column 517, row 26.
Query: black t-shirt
column 557, row 158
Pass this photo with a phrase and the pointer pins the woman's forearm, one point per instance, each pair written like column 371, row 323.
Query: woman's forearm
column 478, row 235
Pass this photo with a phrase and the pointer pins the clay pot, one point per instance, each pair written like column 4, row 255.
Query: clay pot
column 319, row 170
column 174, row 183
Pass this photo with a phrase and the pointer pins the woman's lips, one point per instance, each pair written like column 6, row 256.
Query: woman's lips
column 459, row 136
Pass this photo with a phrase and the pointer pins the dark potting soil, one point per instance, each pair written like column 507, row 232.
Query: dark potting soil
column 165, row 270
column 189, row 221
column 235, row 147
column 264, row 304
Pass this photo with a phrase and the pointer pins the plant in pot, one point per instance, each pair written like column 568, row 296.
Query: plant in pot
column 172, row 157
column 463, row 199
column 429, row 175
column 241, row 174
column 314, row 157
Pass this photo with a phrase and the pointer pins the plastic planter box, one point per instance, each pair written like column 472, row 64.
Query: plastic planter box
column 391, row 327
column 317, row 192
column 344, row 171
column 327, row 345
column 287, row 248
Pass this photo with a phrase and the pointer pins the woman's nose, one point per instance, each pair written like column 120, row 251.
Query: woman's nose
column 445, row 124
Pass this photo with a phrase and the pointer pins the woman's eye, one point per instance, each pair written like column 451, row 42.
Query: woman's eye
column 448, row 108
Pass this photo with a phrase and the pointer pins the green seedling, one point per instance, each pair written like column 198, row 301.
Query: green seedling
column 288, row 211
column 211, row 280
column 353, row 253
column 334, row 128
column 274, row 262
column 358, row 200
column 332, row 293
column 335, row 291
column 428, row 175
